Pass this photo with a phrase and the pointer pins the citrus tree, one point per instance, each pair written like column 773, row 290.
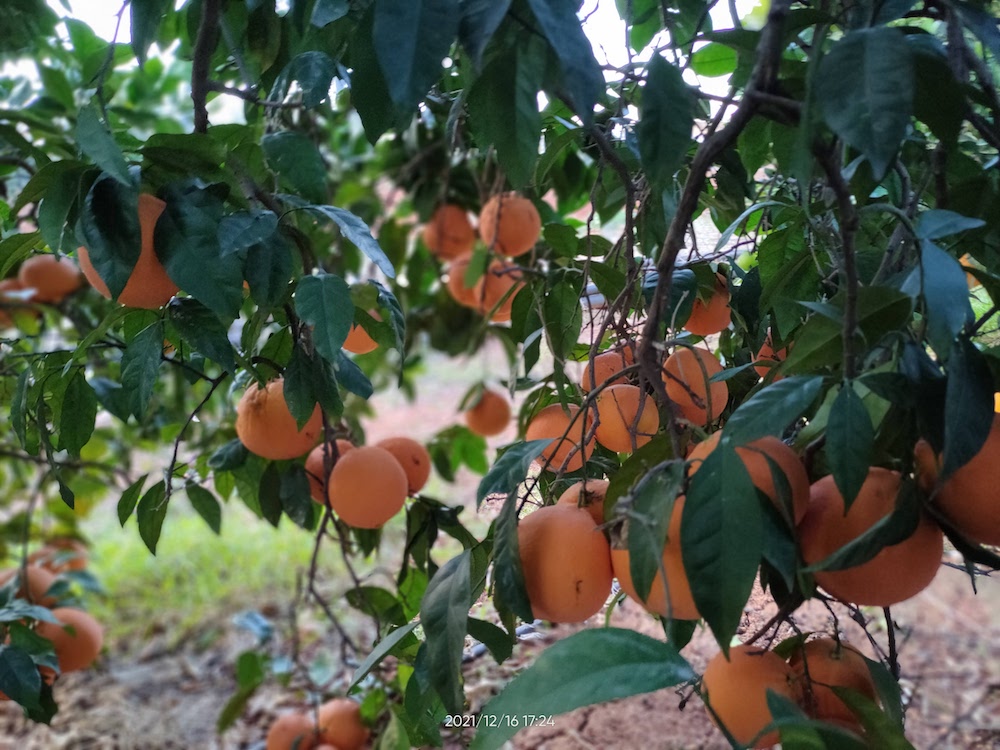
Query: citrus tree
column 270, row 209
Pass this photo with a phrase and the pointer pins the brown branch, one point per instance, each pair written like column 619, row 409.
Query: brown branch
column 169, row 474
column 204, row 48
column 17, row 455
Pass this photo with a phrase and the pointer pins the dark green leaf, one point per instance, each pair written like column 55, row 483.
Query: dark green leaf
column 109, row 227
column 510, row 469
column 479, row 20
column 496, row 640
column 355, row 230
column 937, row 223
column 326, row 12
column 202, row 330
column 849, row 439
column 314, row 71
column 77, row 414
column 648, row 511
column 888, row 690
column 940, row 280
column 352, row 377
column 444, row 612
column 508, row 575
column 324, row 302
column 968, row 417
column 129, row 498
column 369, row 91
column 592, row 666
column 96, row 142
column 241, row 230
column 799, row 732
column 864, row 87
column 230, row 456
column 299, row 388
column 150, row 514
column 141, row 367
column 411, row 38
column 269, row 267
column 880, row 730
column 206, row 506
column 269, row 494
column 666, row 115
column 772, row 409
column 57, row 205
column 19, row 407
column 19, row 678
column 296, row 500
column 382, row 650
column 145, row 16
column 298, row 163
column 563, row 318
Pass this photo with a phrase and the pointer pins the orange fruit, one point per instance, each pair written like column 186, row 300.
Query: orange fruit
column 490, row 415
column 148, row 286
column 289, row 729
column 588, row 495
column 367, row 487
column 462, row 294
column 972, row 281
column 496, row 289
column 340, row 724
column 315, row 462
column 626, row 418
column 755, row 457
column 713, row 316
column 831, row 664
column 682, row 606
column 553, row 422
column 358, row 341
column 414, row 459
column 78, row 649
column 968, row 498
column 736, row 691
column 510, row 224
column 9, row 304
column 769, row 356
column 605, row 366
column 996, row 403
column 39, row 581
column 449, row 233
column 566, row 561
column 685, row 375
column 896, row 573
column 60, row 555
column 53, row 278
column 266, row 427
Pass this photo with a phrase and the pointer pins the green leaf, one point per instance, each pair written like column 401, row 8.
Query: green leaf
column 296, row 500
column 714, row 60
column 479, row 20
column 510, row 469
column 314, row 71
column 205, row 505
column 503, row 108
column 129, row 498
column 940, row 280
column 880, row 730
column 799, row 732
column 563, row 318
column 146, row 16
column 326, row 12
column 324, row 302
column 299, row 390
column 968, row 417
column 203, row 330
column 496, row 640
column 96, row 142
column 19, row 677
column 509, row 586
column 269, row 267
column 150, row 514
column 58, row 203
column 243, row 229
column 19, row 407
column 77, row 414
column 411, row 38
column 723, row 539
column 352, row 377
column 937, row 223
column 864, row 87
column 269, row 494
column 230, row 456
column 109, row 227
column 666, row 115
column 187, row 243
column 850, row 436
column 355, row 230
column 141, row 367
column 382, row 650
column 649, row 509
column 444, row 611
column 588, row 667
column 298, row 163
column 772, row 409
column 369, row 91
column 582, row 78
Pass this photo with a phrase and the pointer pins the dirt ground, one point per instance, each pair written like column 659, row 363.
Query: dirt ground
column 152, row 696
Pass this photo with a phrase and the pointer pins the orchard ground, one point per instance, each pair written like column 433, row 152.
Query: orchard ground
column 168, row 668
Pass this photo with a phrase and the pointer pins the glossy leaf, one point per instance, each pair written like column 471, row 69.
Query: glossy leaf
column 666, row 116
column 772, row 409
column 510, row 469
column 479, row 20
column 443, row 614
column 129, row 498
column 355, row 230
column 968, row 417
column 151, row 513
column 510, row 588
column 649, row 508
column 849, row 439
column 109, row 227
column 941, row 282
column 205, row 505
column 77, row 414
column 298, row 162
column 141, row 368
column 96, row 142
column 19, row 678
column 324, row 302
column 202, row 330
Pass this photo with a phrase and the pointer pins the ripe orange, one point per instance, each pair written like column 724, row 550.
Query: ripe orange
column 605, row 366
column 53, row 278
column 713, row 317
column 682, row 606
column 996, row 403
column 367, row 487
column 566, row 561
column 588, row 495
column 39, row 582
column 315, row 462
column 340, row 724
column 149, row 286
column 289, row 729
column 358, row 341
column 266, row 427
column 831, row 664
column 626, row 418
column 553, row 422
column 462, row 294
column 60, row 555
column 769, row 356
column 449, row 233
column 897, row 572
column 412, row 457
column 968, row 498
column 736, row 691
column 78, row 649
column 685, row 375
column 496, row 289
column 510, row 224
column 755, row 457
column 490, row 415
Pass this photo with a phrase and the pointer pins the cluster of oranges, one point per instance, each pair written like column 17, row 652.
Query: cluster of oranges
column 77, row 639
column 509, row 226
column 337, row 725
column 365, row 485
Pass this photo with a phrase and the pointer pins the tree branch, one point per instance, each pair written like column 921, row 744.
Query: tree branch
column 204, row 47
